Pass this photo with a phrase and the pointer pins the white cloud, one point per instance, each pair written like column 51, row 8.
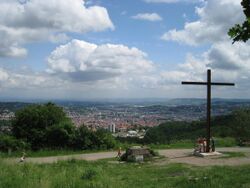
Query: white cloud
column 3, row 75
column 148, row 16
column 173, row 1
column 215, row 18
column 225, row 56
column 82, row 61
column 59, row 38
column 36, row 20
column 28, row 79
column 229, row 62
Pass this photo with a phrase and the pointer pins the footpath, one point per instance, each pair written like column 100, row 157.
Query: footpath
column 171, row 156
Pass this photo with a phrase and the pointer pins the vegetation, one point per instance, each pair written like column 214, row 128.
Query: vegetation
column 104, row 174
column 8, row 143
column 241, row 32
column 235, row 125
column 34, row 124
column 46, row 126
column 175, row 144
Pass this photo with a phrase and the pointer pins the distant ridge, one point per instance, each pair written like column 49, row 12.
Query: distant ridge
column 116, row 101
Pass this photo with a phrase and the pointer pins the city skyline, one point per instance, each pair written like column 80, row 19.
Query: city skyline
column 96, row 49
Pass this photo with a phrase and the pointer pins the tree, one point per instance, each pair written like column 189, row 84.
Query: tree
column 33, row 122
column 82, row 138
column 242, row 32
column 60, row 135
column 103, row 139
column 87, row 139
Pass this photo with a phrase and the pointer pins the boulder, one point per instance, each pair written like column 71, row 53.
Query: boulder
column 137, row 154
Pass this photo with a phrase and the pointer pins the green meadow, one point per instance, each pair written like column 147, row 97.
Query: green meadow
column 109, row 174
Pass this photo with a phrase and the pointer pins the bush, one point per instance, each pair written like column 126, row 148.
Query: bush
column 87, row 139
column 225, row 142
column 11, row 143
column 32, row 123
column 61, row 135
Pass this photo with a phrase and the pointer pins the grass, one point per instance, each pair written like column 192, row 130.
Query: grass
column 227, row 155
column 225, row 142
column 180, row 144
column 190, row 144
column 184, row 144
column 74, row 174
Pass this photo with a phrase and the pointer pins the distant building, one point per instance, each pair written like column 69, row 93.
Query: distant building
column 112, row 128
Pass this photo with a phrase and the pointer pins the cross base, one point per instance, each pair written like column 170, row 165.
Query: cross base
column 209, row 154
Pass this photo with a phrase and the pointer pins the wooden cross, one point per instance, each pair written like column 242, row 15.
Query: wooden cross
column 208, row 84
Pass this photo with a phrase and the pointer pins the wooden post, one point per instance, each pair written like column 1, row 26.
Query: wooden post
column 208, row 109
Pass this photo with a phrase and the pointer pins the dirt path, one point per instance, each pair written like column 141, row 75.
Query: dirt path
column 53, row 159
column 185, row 156
column 172, row 156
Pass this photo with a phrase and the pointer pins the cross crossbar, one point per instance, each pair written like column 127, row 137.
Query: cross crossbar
column 208, row 84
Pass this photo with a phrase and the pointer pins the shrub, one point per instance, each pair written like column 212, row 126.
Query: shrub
column 11, row 143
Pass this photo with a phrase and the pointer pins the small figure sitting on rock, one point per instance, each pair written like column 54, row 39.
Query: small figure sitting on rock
column 22, row 158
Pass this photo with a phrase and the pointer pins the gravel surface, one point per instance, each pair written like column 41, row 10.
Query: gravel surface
column 172, row 156
column 185, row 156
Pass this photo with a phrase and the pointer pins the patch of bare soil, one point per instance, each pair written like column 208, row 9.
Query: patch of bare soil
column 185, row 156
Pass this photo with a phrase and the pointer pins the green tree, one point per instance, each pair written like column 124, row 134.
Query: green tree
column 60, row 135
column 82, row 138
column 33, row 122
column 241, row 32
column 103, row 139
column 87, row 139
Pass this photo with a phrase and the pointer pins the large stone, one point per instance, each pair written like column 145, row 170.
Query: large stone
column 209, row 154
column 137, row 154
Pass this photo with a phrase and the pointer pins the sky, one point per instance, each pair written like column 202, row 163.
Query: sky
column 98, row 49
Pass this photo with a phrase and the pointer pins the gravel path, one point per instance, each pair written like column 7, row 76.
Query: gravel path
column 185, row 156
column 172, row 156
column 88, row 157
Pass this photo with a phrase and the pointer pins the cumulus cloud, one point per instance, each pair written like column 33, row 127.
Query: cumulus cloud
column 224, row 55
column 3, row 75
column 215, row 18
column 172, row 1
column 10, row 78
column 148, row 17
column 83, row 61
column 229, row 62
column 35, row 20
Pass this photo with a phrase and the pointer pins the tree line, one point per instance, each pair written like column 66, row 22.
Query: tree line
column 47, row 126
column 235, row 125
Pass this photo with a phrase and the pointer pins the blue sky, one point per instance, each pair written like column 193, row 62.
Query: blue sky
column 75, row 49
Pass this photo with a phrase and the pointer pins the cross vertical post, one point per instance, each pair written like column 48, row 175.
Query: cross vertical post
column 208, row 108
column 208, row 84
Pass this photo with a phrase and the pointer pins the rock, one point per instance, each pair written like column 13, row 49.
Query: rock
column 137, row 154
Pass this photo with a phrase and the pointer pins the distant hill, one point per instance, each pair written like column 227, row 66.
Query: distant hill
column 12, row 106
